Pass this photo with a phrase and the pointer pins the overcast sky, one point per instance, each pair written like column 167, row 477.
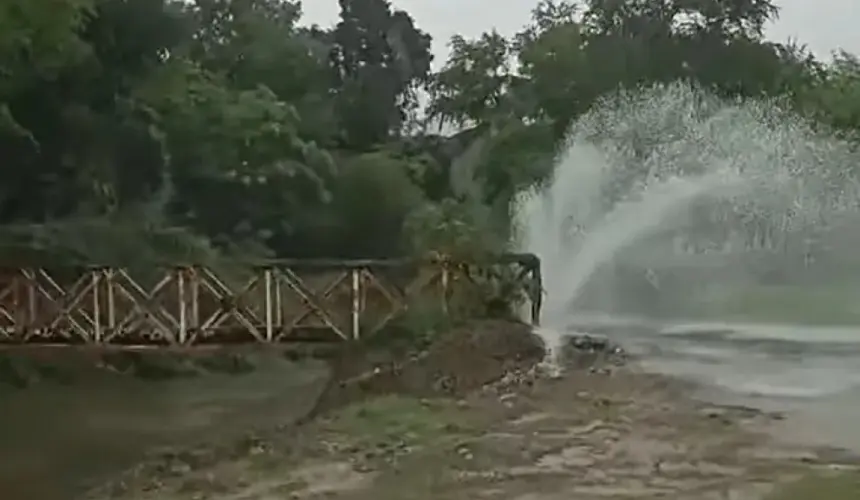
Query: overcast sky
column 822, row 25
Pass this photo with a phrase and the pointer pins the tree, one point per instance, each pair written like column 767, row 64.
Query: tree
column 229, row 122
column 379, row 58
column 474, row 83
column 80, row 141
column 835, row 97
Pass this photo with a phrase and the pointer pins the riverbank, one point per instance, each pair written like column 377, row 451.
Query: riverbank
column 475, row 415
column 69, row 421
column 601, row 429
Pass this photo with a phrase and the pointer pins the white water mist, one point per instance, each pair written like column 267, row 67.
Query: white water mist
column 638, row 163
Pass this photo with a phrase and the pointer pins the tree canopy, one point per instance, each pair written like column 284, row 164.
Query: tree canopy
column 179, row 127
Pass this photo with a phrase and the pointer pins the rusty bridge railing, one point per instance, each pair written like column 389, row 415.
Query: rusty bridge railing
column 274, row 302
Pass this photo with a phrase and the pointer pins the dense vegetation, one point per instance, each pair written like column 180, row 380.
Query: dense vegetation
column 169, row 130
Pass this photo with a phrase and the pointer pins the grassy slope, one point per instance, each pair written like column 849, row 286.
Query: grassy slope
column 822, row 486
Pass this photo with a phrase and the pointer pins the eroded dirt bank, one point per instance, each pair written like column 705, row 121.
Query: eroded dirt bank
column 477, row 417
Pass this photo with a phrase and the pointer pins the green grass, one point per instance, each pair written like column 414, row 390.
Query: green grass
column 821, row 486
column 400, row 419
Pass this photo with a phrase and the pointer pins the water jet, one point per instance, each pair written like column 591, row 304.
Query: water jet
column 669, row 203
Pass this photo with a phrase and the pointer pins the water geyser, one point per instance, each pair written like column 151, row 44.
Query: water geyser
column 671, row 173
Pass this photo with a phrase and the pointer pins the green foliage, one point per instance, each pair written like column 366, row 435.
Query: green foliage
column 472, row 86
column 826, row 485
column 382, row 425
column 374, row 194
column 453, row 228
column 835, row 99
column 379, row 57
column 488, row 292
column 414, row 330
column 136, row 131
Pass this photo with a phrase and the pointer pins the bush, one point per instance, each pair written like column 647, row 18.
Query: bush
column 373, row 197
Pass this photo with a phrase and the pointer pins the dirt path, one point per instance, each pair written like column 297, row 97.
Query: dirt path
column 599, row 431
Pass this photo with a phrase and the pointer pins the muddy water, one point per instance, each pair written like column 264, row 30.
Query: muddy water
column 55, row 440
column 809, row 374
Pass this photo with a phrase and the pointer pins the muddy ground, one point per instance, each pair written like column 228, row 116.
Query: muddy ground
column 478, row 416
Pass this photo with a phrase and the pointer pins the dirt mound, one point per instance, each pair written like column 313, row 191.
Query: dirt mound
column 472, row 356
column 456, row 362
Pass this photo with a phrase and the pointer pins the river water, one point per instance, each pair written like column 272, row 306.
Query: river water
column 809, row 374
